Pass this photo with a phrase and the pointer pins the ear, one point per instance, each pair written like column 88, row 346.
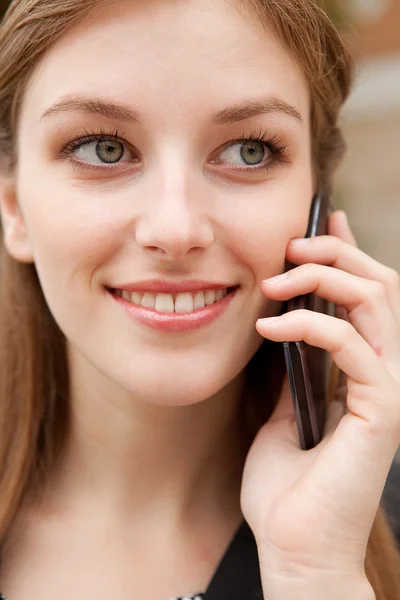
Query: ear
column 16, row 239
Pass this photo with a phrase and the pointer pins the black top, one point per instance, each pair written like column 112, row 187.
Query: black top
column 237, row 577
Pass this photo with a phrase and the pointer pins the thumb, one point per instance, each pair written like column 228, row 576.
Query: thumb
column 281, row 427
column 284, row 408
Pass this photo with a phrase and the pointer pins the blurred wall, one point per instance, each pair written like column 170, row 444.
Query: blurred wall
column 369, row 180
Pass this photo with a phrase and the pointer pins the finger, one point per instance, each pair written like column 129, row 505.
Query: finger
column 337, row 253
column 338, row 226
column 373, row 395
column 364, row 300
column 283, row 434
column 348, row 349
column 284, row 410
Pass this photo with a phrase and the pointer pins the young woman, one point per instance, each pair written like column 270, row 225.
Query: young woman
column 165, row 154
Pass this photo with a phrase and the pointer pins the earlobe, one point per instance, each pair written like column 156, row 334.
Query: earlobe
column 15, row 234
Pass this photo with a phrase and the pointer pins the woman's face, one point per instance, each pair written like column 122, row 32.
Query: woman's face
column 169, row 86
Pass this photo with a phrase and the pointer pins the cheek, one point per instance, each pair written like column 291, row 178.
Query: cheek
column 71, row 234
column 260, row 231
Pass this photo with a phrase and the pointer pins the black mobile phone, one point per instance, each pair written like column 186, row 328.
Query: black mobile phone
column 308, row 367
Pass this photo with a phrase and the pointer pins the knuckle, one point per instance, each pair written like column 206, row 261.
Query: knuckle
column 344, row 334
column 377, row 292
column 347, row 332
column 303, row 314
column 308, row 269
column 392, row 278
column 346, row 329
column 333, row 242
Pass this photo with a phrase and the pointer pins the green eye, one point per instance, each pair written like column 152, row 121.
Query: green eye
column 110, row 151
column 245, row 153
column 252, row 152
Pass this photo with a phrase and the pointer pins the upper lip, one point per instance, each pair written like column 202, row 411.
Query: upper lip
column 172, row 287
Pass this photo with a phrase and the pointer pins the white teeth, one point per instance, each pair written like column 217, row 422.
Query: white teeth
column 136, row 298
column 198, row 301
column 179, row 303
column 148, row 300
column 184, row 303
column 209, row 297
column 164, row 303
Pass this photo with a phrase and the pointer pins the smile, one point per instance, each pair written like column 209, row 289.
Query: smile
column 173, row 303
column 174, row 313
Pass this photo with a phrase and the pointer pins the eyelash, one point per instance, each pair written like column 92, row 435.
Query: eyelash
column 272, row 142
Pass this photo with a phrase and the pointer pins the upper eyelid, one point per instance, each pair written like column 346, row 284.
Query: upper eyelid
column 83, row 139
column 273, row 143
column 76, row 140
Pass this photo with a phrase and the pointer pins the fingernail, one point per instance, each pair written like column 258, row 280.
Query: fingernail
column 345, row 218
column 276, row 278
column 267, row 320
column 299, row 241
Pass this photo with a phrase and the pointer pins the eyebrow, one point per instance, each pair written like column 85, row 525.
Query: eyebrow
column 245, row 109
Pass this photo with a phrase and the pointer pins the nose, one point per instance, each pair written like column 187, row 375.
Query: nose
column 174, row 223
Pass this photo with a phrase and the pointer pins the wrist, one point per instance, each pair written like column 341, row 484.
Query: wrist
column 316, row 587
column 288, row 580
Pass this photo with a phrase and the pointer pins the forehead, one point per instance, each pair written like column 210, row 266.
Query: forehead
column 166, row 55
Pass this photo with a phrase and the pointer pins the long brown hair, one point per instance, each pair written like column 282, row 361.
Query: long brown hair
column 34, row 383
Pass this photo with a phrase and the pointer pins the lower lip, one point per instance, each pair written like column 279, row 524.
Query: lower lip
column 176, row 322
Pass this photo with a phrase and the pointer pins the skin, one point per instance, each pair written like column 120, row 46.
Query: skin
column 177, row 208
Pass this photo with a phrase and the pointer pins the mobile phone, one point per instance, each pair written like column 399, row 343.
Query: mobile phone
column 308, row 367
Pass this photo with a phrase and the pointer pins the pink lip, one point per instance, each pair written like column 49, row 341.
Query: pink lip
column 157, row 286
column 176, row 322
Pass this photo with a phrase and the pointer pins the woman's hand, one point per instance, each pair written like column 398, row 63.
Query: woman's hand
column 312, row 511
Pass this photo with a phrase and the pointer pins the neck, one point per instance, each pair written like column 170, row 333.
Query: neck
column 152, row 464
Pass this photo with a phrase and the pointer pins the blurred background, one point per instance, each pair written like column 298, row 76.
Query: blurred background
column 368, row 184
